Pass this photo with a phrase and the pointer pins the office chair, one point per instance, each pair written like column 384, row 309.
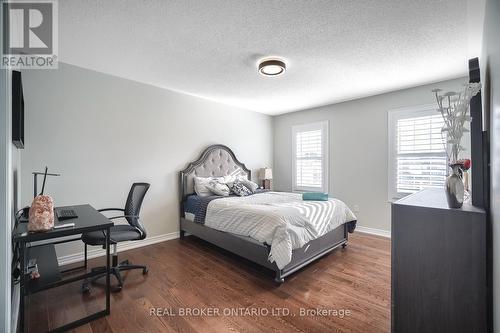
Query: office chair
column 119, row 233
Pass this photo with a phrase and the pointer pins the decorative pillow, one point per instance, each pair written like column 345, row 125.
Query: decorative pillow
column 250, row 184
column 218, row 188
column 240, row 189
column 200, row 186
column 229, row 180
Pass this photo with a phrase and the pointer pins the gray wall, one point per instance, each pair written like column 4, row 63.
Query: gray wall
column 490, row 65
column 358, row 148
column 102, row 133
column 6, row 205
column 15, row 191
column 9, row 203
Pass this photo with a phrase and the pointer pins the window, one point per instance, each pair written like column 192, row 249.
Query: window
column 310, row 157
column 417, row 155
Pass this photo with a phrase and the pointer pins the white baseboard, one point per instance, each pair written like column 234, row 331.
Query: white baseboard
column 98, row 252
column 373, row 231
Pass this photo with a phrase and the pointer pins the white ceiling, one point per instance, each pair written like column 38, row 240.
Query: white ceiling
column 336, row 50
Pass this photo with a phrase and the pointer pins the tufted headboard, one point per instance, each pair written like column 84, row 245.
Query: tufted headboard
column 215, row 161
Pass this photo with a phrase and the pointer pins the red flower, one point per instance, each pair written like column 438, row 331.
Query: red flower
column 467, row 164
column 464, row 164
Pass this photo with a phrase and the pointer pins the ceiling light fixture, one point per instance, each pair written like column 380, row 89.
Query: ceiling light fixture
column 272, row 67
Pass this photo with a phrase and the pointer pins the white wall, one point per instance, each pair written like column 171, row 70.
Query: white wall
column 490, row 75
column 358, row 148
column 102, row 133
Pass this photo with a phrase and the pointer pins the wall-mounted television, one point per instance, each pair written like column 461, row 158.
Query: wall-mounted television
column 480, row 147
column 17, row 110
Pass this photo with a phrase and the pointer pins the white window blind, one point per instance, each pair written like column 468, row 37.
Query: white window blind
column 310, row 169
column 418, row 160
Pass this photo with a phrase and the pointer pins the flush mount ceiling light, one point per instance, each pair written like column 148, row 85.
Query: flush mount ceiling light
column 272, row 67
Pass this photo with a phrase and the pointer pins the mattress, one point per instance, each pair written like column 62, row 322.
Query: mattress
column 195, row 206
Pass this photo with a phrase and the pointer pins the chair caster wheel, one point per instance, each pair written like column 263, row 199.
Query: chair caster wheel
column 145, row 271
column 86, row 288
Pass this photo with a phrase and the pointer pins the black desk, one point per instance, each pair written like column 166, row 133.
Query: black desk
column 89, row 219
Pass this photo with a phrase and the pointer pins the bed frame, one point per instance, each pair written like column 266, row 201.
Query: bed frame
column 218, row 161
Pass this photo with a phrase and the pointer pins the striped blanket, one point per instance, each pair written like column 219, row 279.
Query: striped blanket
column 280, row 219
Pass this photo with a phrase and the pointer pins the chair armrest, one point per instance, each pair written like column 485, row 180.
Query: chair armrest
column 116, row 217
column 111, row 209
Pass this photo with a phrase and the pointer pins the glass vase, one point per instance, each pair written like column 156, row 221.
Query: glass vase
column 455, row 187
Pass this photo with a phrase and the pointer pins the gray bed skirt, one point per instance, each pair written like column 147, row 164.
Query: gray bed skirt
column 258, row 252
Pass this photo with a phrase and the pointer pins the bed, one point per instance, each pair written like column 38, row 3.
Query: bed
column 219, row 161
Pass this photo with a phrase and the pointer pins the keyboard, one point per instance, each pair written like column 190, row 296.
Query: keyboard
column 65, row 214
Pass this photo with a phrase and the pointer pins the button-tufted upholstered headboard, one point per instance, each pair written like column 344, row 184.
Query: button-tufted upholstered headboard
column 215, row 161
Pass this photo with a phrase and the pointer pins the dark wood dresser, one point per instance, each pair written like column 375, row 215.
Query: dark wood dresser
column 439, row 278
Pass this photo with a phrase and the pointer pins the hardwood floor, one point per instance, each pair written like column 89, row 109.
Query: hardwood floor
column 192, row 274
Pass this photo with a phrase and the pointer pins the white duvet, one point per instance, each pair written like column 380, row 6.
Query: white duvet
column 280, row 219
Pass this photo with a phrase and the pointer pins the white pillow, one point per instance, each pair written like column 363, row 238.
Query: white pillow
column 200, row 186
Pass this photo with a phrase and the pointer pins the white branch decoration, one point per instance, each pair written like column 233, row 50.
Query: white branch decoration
column 454, row 107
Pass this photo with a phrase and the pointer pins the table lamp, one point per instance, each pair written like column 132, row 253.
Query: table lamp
column 266, row 174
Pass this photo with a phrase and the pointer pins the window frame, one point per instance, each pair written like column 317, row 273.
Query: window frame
column 393, row 116
column 324, row 127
